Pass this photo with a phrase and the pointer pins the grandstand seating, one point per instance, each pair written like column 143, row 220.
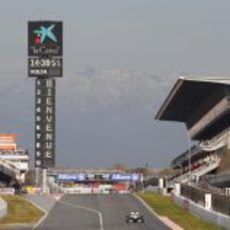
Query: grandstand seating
column 209, row 164
column 217, row 142
column 9, row 169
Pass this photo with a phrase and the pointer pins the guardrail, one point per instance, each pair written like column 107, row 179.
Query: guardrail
column 192, row 193
column 219, row 202
column 204, row 213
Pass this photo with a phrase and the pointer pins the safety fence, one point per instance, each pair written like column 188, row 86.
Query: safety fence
column 219, row 202
column 192, row 193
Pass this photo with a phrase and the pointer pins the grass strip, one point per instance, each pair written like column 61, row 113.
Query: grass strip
column 20, row 211
column 164, row 206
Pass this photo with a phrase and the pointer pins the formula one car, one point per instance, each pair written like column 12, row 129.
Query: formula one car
column 134, row 217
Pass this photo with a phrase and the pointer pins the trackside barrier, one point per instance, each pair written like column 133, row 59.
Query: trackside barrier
column 3, row 208
column 216, row 202
column 202, row 204
column 194, row 194
column 161, row 183
column 221, row 203
column 208, row 215
column 7, row 191
column 208, row 201
column 162, row 186
column 152, row 189
column 177, row 189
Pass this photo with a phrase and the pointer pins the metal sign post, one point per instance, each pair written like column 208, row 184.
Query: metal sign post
column 44, row 181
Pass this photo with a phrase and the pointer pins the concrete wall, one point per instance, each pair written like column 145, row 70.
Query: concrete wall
column 152, row 188
column 208, row 215
column 3, row 208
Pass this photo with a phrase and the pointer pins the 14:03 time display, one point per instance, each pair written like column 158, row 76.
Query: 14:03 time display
column 45, row 62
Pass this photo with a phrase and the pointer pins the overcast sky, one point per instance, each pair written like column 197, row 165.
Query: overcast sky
column 120, row 60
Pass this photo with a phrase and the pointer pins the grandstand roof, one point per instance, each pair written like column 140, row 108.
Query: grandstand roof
column 186, row 95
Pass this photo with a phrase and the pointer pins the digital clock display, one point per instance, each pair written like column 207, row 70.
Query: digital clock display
column 45, row 62
column 45, row 67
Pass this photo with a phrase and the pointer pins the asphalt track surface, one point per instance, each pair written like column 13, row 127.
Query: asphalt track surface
column 98, row 212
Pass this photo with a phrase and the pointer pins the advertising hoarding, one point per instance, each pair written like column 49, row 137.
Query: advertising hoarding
column 116, row 177
column 71, row 177
column 45, row 38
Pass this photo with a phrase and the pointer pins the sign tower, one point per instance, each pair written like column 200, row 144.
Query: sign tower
column 45, row 64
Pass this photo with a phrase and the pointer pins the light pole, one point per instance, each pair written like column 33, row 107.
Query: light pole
column 189, row 153
column 181, row 167
column 189, row 156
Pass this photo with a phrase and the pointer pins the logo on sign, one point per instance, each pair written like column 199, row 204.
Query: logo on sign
column 45, row 38
column 71, row 177
column 125, row 177
column 135, row 177
column 81, row 177
column 44, row 33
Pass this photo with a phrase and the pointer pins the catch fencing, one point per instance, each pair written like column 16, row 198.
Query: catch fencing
column 220, row 203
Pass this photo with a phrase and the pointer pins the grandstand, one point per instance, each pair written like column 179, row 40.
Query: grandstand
column 203, row 104
column 14, row 162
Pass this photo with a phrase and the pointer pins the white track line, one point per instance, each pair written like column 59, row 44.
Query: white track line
column 87, row 209
column 43, row 210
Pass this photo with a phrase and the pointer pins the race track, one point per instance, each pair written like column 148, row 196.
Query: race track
column 98, row 212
